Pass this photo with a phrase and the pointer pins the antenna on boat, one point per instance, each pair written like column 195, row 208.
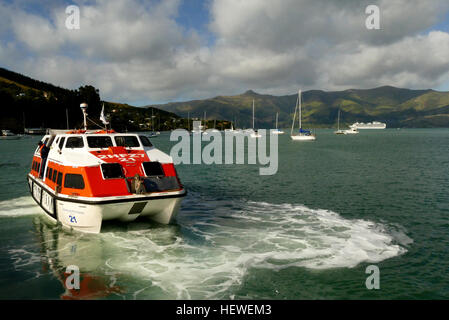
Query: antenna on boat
column 83, row 107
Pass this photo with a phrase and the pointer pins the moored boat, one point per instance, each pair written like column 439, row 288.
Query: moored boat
column 302, row 135
column 8, row 135
column 94, row 175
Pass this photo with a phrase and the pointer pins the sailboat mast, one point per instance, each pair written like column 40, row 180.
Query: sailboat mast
column 294, row 116
column 338, row 123
column 253, row 114
column 277, row 114
column 299, row 106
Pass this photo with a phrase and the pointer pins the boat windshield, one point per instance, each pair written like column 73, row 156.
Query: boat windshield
column 74, row 142
column 145, row 141
column 99, row 142
column 127, row 141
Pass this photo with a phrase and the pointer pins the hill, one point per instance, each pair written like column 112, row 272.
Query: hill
column 26, row 102
column 396, row 106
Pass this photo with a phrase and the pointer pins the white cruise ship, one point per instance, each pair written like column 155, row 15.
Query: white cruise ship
column 369, row 125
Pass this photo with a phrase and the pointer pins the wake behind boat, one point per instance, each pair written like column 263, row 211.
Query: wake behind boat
column 93, row 175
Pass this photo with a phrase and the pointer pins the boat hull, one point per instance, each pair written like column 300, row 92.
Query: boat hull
column 303, row 138
column 87, row 215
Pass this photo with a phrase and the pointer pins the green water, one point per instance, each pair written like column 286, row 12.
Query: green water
column 334, row 207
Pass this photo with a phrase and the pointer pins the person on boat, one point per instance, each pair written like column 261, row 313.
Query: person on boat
column 43, row 150
column 139, row 184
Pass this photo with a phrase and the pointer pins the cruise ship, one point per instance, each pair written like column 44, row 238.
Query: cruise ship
column 369, row 125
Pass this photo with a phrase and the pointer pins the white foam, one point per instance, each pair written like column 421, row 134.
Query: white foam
column 17, row 207
column 260, row 235
column 209, row 252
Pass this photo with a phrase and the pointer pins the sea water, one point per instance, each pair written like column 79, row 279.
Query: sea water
column 335, row 207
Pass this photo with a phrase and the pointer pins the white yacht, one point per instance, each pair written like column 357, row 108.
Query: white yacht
column 303, row 135
column 8, row 135
column 277, row 131
column 338, row 125
column 254, row 133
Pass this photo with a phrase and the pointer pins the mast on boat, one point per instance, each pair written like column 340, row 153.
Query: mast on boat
column 277, row 114
column 294, row 116
column 253, row 114
column 338, row 122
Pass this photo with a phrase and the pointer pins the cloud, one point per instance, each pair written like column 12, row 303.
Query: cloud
column 137, row 50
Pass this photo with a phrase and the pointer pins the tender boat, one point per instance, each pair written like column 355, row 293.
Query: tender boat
column 95, row 175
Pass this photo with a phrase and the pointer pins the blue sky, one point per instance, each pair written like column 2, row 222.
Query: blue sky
column 142, row 52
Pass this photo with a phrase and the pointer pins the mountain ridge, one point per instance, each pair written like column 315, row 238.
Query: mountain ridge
column 398, row 107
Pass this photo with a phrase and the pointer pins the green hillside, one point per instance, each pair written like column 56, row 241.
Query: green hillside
column 30, row 103
column 396, row 106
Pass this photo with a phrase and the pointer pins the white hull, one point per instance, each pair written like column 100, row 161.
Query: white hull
column 351, row 131
column 278, row 132
column 303, row 138
column 86, row 214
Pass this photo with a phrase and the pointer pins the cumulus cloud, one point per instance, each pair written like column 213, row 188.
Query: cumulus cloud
column 138, row 51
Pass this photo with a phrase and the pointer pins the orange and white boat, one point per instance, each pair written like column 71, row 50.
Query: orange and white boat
column 95, row 175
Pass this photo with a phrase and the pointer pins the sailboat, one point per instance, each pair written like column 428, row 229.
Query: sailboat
column 277, row 131
column 231, row 130
column 152, row 133
column 303, row 135
column 215, row 129
column 254, row 132
column 199, row 128
column 338, row 125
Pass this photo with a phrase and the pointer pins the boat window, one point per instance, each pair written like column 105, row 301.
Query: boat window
column 145, row 141
column 153, row 168
column 127, row 141
column 50, row 173
column 74, row 142
column 53, row 177
column 74, row 181
column 99, row 142
column 112, row 170
column 59, row 179
column 61, row 143
column 50, row 141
